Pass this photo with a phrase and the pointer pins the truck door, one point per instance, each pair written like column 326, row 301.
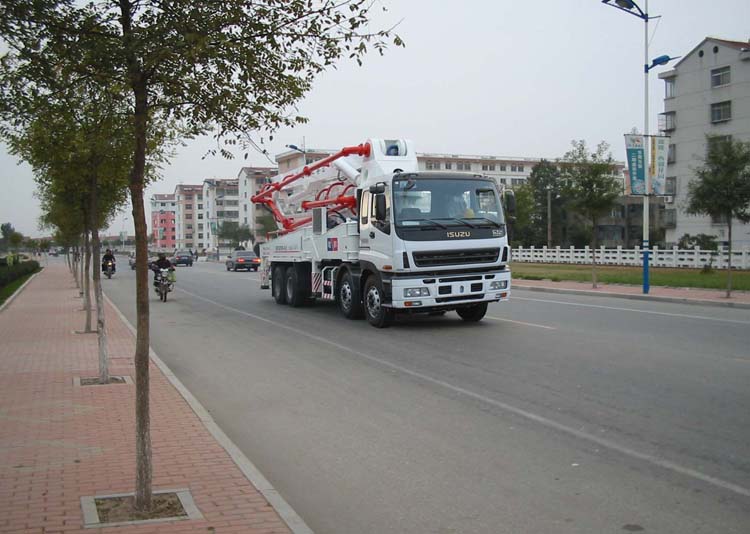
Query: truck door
column 375, row 229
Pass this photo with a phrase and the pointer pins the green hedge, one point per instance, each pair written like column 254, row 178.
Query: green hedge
column 14, row 272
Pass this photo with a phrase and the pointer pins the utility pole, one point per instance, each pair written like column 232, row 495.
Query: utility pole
column 549, row 218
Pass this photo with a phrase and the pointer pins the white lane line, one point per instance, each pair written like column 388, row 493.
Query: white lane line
column 682, row 315
column 520, row 322
column 549, row 423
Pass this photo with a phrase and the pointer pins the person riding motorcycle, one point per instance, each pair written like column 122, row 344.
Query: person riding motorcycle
column 161, row 263
column 108, row 257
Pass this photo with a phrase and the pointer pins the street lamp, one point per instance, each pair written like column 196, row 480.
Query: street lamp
column 295, row 147
column 631, row 7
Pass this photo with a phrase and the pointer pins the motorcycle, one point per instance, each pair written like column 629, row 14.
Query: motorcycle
column 164, row 283
column 109, row 269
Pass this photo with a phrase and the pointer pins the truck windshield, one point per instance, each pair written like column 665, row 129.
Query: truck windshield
column 444, row 202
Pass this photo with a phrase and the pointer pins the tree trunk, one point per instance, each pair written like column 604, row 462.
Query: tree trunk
column 593, row 253
column 142, row 408
column 729, row 259
column 87, row 283
column 80, row 270
column 98, row 295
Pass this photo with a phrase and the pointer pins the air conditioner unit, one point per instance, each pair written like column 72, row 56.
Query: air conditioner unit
column 669, row 200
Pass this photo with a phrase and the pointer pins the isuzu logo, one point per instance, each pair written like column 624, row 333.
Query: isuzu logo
column 454, row 235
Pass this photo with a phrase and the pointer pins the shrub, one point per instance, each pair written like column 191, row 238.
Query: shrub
column 14, row 272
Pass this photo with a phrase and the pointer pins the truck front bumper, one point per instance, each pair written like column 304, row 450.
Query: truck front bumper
column 450, row 291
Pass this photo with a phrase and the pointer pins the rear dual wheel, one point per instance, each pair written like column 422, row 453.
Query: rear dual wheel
column 377, row 314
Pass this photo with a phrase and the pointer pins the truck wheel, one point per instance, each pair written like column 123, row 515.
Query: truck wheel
column 277, row 284
column 348, row 297
column 377, row 314
column 295, row 295
column 473, row 314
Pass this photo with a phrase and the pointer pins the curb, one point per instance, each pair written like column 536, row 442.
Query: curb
column 18, row 291
column 295, row 523
column 652, row 298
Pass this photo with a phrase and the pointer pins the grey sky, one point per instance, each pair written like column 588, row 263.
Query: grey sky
column 492, row 77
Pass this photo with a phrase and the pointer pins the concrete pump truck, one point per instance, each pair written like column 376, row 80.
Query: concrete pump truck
column 366, row 229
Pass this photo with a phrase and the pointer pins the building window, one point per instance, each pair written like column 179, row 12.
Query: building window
column 520, row 168
column 670, row 185
column 162, row 221
column 492, row 166
column 200, row 236
column 669, row 86
column 721, row 111
column 188, row 215
column 448, row 165
column 485, row 167
column 517, row 181
column 200, row 206
column 502, row 169
column 200, row 215
column 513, row 168
column 670, row 121
column 188, row 236
column 672, row 154
column 163, row 204
column 720, row 77
column 188, row 226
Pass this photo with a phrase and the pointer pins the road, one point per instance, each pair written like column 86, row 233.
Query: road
column 555, row 414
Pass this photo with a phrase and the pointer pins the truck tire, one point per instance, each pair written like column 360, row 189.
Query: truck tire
column 473, row 314
column 277, row 284
column 377, row 315
column 294, row 292
column 348, row 296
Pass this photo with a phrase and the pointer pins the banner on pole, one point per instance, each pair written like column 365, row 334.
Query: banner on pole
column 635, row 150
column 658, row 166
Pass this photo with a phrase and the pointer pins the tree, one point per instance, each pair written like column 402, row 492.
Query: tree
column 235, row 233
column 543, row 180
column 702, row 241
column 233, row 66
column 15, row 239
column 591, row 186
column 722, row 187
column 6, row 229
column 523, row 226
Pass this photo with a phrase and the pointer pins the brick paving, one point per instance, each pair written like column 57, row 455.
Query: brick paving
column 696, row 295
column 59, row 442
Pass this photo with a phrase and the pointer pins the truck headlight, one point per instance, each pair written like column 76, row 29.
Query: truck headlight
column 413, row 292
column 499, row 284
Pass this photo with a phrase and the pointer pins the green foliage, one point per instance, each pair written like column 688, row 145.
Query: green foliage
column 702, row 241
column 722, row 187
column 523, row 233
column 15, row 240
column 16, row 271
column 234, row 233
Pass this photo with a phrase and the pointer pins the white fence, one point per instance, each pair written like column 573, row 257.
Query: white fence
column 674, row 257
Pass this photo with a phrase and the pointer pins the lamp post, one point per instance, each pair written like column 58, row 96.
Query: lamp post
column 631, row 7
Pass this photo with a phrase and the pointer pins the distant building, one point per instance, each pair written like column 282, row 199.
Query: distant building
column 163, row 208
column 706, row 93
column 220, row 204
column 188, row 216
column 251, row 179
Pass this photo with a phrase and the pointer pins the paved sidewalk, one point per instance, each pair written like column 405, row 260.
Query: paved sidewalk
column 59, row 442
column 711, row 297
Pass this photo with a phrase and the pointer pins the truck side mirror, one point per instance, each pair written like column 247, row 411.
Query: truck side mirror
column 380, row 207
column 377, row 189
column 510, row 202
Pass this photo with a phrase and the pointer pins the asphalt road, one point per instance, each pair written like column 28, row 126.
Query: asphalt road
column 555, row 414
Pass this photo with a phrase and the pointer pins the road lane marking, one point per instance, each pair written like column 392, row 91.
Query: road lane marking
column 544, row 421
column 520, row 322
column 682, row 315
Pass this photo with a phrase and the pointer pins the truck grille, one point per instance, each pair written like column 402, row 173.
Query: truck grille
column 456, row 257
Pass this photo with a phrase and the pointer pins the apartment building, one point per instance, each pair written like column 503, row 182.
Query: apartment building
column 163, row 209
column 220, row 204
column 250, row 180
column 188, row 217
column 706, row 93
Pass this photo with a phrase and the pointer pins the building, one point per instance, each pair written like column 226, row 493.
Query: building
column 188, row 217
column 163, row 209
column 706, row 93
column 220, row 204
column 250, row 180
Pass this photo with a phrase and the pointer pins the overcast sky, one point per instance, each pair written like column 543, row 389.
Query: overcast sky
column 491, row 77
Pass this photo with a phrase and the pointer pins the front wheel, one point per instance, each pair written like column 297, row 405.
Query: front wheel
column 377, row 314
column 473, row 314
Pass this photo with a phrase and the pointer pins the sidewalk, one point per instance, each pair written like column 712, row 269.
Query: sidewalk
column 60, row 442
column 686, row 295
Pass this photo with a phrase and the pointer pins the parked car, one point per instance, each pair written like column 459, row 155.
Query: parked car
column 131, row 260
column 182, row 257
column 243, row 259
